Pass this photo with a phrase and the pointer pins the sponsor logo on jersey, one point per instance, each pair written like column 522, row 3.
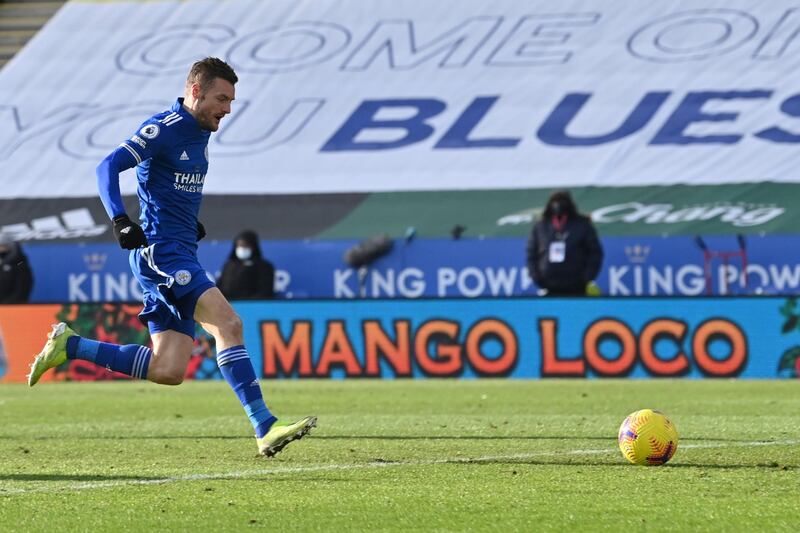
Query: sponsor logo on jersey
column 184, row 156
column 149, row 131
column 182, row 277
column 189, row 181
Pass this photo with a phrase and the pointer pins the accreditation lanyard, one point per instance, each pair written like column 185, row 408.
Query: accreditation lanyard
column 557, row 251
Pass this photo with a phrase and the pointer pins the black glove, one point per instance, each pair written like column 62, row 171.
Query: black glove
column 201, row 230
column 128, row 233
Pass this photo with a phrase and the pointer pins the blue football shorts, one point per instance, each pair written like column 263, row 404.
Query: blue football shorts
column 172, row 280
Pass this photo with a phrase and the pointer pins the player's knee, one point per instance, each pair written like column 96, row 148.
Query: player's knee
column 173, row 379
column 166, row 376
column 165, row 371
column 232, row 328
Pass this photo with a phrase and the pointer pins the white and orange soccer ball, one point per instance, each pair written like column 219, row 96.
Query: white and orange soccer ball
column 647, row 437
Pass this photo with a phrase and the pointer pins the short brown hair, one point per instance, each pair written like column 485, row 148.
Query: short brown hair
column 206, row 70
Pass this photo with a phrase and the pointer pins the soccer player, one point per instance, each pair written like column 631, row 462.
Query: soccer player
column 170, row 153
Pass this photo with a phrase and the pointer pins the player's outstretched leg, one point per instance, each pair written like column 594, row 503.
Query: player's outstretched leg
column 280, row 435
column 63, row 343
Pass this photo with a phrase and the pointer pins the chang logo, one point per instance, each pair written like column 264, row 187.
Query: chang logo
column 149, row 132
column 183, row 277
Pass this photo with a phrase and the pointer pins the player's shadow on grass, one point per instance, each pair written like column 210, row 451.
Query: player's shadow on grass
column 71, row 477
column 612, row 438
column 462, row 437
column 556, row 461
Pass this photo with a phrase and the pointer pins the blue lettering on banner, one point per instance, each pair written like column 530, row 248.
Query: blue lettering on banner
column 409, row 130
column 79, row 126
column 791, row 107
column 554, row 129
column 691, row 111
column 458, row 134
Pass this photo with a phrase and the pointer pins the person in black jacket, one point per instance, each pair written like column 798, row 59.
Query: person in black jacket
column 564, row 253
column 16, row 280
column 246, row 274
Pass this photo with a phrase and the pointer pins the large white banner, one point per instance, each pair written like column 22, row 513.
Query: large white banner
column 387, row 95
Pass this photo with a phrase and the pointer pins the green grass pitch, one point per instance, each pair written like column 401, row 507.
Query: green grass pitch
column 398, row 455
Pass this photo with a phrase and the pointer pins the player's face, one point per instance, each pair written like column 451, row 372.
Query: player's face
column 214, row 103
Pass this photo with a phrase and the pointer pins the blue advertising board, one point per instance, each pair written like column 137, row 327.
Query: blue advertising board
column 525, row 338
column 423, row 268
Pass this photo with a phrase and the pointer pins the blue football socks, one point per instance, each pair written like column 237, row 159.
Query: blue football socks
column 130, row 359
column 237, row 369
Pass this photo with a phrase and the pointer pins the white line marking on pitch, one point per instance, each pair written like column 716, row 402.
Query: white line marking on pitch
column 357, row 466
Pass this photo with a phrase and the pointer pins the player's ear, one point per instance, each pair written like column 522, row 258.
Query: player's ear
column 196, row 91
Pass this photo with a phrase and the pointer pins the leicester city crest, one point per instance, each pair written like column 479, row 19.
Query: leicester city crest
column 183, row 277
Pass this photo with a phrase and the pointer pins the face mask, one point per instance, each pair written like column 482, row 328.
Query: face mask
column 243, row 253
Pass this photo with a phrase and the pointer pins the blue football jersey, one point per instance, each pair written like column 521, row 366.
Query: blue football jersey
column 171, row 152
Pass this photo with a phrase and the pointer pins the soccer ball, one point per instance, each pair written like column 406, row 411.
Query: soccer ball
column 647, row 437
